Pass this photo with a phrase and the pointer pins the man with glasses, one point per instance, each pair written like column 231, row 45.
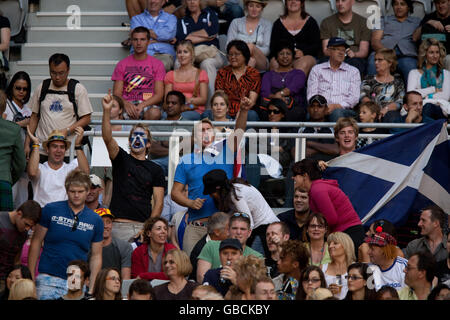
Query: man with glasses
column 53, row 109
column 419, row 274
column 67, row 231
column 336, row 80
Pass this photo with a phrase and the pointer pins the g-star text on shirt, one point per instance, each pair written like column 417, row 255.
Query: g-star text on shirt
column 83, row 226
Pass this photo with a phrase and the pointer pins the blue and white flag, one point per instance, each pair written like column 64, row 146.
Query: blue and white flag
column 398, row 175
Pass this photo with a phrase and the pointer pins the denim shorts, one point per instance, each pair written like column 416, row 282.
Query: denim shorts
column 50, row 287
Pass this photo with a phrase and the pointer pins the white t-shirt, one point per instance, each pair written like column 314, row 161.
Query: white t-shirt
column 49, row 187
column 11, row 112
column 252, row 202
column 394, row 276
column 332, row 280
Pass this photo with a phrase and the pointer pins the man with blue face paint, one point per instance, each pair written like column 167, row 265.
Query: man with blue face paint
column 135, row 178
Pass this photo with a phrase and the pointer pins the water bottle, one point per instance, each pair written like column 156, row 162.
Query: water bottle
column 222, row 279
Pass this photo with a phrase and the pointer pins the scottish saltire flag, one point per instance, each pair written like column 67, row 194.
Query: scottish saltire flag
column 398, row 175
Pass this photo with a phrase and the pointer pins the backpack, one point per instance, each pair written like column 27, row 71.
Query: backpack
column 71, row 93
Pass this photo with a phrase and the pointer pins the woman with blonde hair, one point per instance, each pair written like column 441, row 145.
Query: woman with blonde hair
column 342, row 254
column 220, row 104
column 22, row 289
column 248, row 270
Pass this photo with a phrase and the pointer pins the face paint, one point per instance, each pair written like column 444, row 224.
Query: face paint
column 138, row 140
column 74, row 278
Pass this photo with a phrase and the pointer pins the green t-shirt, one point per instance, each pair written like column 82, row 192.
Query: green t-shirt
column 210, row 253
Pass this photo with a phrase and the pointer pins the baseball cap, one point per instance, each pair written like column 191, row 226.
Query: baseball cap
column 230, row 243
column 104, row 212
column 319, row 99
column 381, row 239
column 96, row 182
column 214, row 179
column 336, row 41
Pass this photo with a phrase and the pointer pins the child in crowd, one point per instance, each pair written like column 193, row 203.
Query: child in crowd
column 369, row 112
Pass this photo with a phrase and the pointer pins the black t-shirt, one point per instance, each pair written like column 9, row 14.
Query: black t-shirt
column 272, row 267
column 162, row 292
column 212, row 278
column 133, row 182
column 295, row 232
column 442, row 271
column 427, row 28
column 4, row 22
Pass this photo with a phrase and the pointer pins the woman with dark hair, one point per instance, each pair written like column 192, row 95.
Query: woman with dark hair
column 219, row 110
column 285, row 82
column 311, row 278
column 326, row 197
column 144, row 259
column 237, row 195
column 387, row 293
column 316, row 234
column 301, row 30
column 239, row 80
column 108, row 285
column 440, row 292
column 358, row 277
column 17, row 272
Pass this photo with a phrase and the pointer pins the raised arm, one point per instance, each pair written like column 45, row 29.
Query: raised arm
column 111, row 144
column 33, row 162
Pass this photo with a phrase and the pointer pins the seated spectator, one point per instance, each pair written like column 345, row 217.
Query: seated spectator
column 395, row 32
column 436, row 25
column 342, row 254
column 384, row 88
column 116, row 253
column 264, row 289
column 321, row 294
column 311, row 279
column 419, row 274
column 17, row 272
column 253, row 30
column 353, row 29
column 108, row 284
column 431, row 80
column 191, row 81
column 239, row 228
column 135, row 7
column 277, row 233
column 48, row 178
column 346, row 132
column 162, row 27
column 220, row 105
column 432, row 223
column 286, row 82
column 238, row 80
column 296, row 218
column 380, row 225
column 227, row 10
column 206, row 292
column 201, row 26
column 139, row 80
column 237, row 195
column 440, row 292
column 316, row 233
column 77, row 278
column 387, row 293
column 141, row 289
column 248, row 269
column 358, row 282
column 336, row 80
column 369, row 112
column 321, row 148
column 222, row 278
column 116, row 113
column 301, row 30
column 23, row 289
column 147, row 259
column 293, row 260
column 443, row 266
column 413, row 106
column 177, row 267
column 326, row 197
column 96, row 189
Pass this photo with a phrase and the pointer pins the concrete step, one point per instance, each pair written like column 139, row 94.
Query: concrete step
column 84, row 34
column 76, row 51
column 77, row 67
column 84, row 5
column 88, row 19
column 91, row 83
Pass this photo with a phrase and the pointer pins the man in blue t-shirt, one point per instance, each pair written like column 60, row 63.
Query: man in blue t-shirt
column 68, row 230
column 208, row 155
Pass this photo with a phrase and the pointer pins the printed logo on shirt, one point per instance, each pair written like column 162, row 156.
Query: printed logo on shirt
column 138, row 80
column 56, row 106
column 67, row 222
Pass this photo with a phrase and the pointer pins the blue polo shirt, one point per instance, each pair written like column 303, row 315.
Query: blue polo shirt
column 61, row 244
column 208, row 20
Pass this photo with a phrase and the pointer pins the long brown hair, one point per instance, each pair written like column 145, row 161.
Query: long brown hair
column 100, row 284
column 227, row 191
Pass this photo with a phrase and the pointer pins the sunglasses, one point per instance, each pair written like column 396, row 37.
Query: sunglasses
column 241, row 214
column 270, row 111
column 75, row 223
column 21, row 88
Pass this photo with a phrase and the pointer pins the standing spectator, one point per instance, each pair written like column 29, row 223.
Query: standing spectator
column 147, row 259
column 239, row 80
column 396, row 33
column 351, row 27
column 358, row 274
column 17, row 272
column 12, row 159
column 346, row 132
column 77, row 277
column 297, row 217
column 116, row 253
column 342, row 254
column 311, row 279
column 163, row 29
column 48, row 178
column 316, row 234
column 255, row 31
column 5, row 37
column 300, row 29
column 277, row 233
column 67, row 230
column 135, row 178
column 336, row 80
column 443, row 266
column 141, row 289
column 58, row 103
column 201, row 26
column 138, row 79
column 419, row 274
column 14, row 226
column 176, row 267
column 92, row 200
column 326, row 197
column 108, row 285
column 432, row 223
column 189, row 80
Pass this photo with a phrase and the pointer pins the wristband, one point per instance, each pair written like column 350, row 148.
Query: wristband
column 35, row 145
column 78, row 147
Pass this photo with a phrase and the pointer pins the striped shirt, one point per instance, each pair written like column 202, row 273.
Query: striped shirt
column 341, row 86
column 394, row 276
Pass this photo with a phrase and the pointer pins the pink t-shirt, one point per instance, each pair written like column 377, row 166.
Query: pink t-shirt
column 138, row 77
column 187, row 88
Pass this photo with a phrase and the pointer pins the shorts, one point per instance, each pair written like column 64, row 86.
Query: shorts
column 50, row 287
column 141, row 115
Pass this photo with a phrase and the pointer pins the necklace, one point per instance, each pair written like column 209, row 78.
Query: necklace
column 283, row 78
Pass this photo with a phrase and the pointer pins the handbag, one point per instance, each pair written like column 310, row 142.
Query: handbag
column 203, row 52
